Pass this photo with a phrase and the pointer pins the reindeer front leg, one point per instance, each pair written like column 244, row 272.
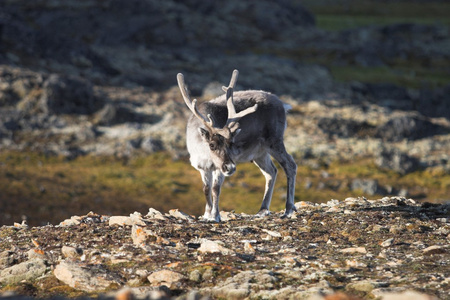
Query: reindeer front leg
column 218, row 179
column 207, row 178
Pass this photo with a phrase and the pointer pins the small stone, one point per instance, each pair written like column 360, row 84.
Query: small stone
column 136, row 218
column 141, row 273
column 377, row 228
column 435, row 249
column 208, row 274
column 288, row 239
column 303, row 204
column 180, row 215
column 140, row 235
column 168, row 278
column 353, row 250
column 134, row 282
column 333, row 209
column 70, row 252
column 396, row 229
column 120, row 220
column 36, row 253
column 353, row 263
column 22, row 225
column 248, row 248
column 382, row 254
column 208, row 246
column 155, row 214
column 195, row 276
column 227, row 216
column 387, row 242
column 361, row 286
column 124, row 294
column 333, row 202
column 352, row 200
column 272, row 233
column 75, row 220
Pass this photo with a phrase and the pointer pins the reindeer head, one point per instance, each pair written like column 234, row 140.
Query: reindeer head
column 219, row 140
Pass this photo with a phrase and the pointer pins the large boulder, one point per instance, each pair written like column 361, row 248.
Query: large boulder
column 394, row 159
column 68, row 95
column 409, row 127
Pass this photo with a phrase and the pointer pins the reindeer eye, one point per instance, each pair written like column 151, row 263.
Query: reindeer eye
column 212, row 146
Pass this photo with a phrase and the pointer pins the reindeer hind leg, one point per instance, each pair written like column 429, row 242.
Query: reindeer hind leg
column 290, row 168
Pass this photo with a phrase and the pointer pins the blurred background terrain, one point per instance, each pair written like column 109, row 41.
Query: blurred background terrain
column 91, row 118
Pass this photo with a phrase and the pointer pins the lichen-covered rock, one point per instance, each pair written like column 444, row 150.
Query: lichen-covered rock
column 25, row 271
column 242, row 285
column 171, row 279
column 84, row 277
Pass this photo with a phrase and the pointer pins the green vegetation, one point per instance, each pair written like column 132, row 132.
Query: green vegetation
column 342, row 22
column 343, row 14
column 412, row 77
column 413, row 72
column 51, row 189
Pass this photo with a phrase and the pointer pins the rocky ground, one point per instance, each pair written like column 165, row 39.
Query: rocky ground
column 352, row 249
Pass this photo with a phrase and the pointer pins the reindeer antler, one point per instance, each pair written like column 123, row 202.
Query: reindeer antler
column 192, row 105
column 232, row 121
column 234, row 117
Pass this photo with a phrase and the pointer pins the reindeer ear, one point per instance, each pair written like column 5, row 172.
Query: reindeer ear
column 204, row 133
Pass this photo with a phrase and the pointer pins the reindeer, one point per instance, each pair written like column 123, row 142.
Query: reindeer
column 238, row 127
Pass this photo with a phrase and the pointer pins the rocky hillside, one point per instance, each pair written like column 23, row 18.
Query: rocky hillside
column 80, row 77
column 391, row 248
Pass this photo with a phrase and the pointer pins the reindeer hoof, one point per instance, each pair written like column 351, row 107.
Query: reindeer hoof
column 210, row 219
column 262, row 213
column 288, row 213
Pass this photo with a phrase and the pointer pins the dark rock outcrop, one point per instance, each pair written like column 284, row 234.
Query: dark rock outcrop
column 409, row 127
column 68, row 95
column 394, row 159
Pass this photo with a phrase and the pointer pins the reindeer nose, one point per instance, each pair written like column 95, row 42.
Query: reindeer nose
column 228, row 169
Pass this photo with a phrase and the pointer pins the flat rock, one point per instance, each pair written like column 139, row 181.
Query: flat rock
column 168, row 278
column 208, row 246
column 242, row 285
column 352, row 250
column 85, row 278
column 134, row 219
column 27, row 270
column 435, row 249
